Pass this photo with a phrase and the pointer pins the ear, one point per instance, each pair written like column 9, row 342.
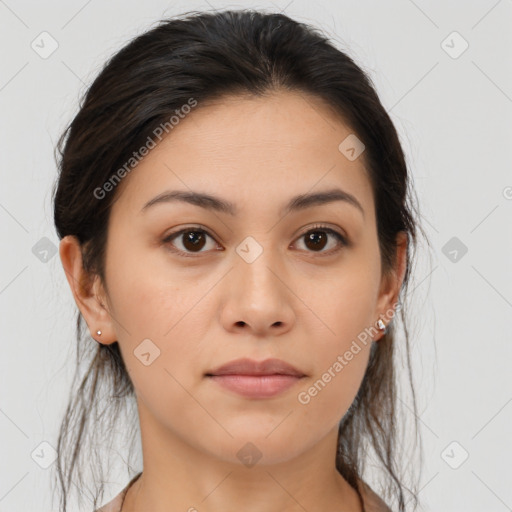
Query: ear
column 392, row 282
column 88, row 291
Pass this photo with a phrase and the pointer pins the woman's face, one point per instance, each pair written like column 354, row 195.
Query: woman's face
column 253, row 284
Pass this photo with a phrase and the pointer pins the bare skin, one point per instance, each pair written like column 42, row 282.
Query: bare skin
column 293, row 302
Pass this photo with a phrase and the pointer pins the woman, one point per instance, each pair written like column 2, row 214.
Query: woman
column 233, row 209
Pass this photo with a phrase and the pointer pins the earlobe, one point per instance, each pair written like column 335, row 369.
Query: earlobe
column 86, row 291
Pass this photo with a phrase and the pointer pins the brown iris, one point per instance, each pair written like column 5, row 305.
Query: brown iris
column 194, row 240
column 316, row 240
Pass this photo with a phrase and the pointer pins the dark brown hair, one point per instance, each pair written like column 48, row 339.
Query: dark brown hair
column 208, row 56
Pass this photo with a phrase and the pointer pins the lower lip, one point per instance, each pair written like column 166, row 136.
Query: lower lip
column 256, row 386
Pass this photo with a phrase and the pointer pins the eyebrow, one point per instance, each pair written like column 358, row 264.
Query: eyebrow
column 209, row 202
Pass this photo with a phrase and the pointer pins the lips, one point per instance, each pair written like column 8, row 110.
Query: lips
column 256, row 368
column 256, row 379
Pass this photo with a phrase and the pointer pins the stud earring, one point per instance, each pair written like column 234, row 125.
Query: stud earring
column 98, row 333
column 382, row 325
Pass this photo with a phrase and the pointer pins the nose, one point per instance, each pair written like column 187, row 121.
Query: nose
column 258, row 298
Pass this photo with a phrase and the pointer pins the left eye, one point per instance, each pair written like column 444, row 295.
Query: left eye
column 316, row 238
column 193, row 240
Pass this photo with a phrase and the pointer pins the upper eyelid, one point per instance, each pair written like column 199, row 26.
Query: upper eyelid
column 199, row 227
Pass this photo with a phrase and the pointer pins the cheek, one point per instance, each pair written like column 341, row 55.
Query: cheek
column 334, row 385
column 340, row 363
column 144, row 293
column 162, row 348
column 342, row 342
column 343, row 309
column 163, row 322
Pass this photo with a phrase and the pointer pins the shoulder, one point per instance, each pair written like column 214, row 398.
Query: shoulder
column 115, row 504
column 372, row 501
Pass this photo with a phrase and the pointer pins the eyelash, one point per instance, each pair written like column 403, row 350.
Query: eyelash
column 201, row 229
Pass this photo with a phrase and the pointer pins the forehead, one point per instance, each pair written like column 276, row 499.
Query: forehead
column 252, row 150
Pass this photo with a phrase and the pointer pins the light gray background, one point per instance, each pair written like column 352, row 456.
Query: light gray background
column 453, row 113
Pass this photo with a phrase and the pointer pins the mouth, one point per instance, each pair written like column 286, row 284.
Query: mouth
column 257, row 368
column 254, row 379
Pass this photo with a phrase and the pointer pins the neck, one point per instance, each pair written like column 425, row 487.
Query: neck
column 178, row 476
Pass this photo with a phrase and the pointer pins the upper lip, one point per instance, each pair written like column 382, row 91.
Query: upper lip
column 251, row 367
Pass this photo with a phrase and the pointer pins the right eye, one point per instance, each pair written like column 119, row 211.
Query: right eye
column 192, row 240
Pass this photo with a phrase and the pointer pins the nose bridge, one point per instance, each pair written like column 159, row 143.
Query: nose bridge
column 259, row 267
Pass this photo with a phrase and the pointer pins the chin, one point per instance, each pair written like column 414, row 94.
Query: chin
column 254, row 444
